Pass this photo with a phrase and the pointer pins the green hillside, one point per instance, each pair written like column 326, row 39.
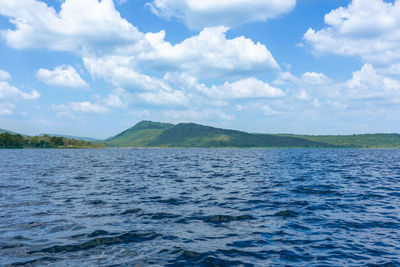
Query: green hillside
column 155, row 134
column 195, row 135
column 356, row 140
column 139, row 135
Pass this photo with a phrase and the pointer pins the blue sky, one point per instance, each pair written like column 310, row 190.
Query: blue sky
column 94, row 68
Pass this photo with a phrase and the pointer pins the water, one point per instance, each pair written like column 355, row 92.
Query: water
column 201, row 207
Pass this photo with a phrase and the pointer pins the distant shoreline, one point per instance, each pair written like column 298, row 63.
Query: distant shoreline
column 198, row 148
column 149, row 134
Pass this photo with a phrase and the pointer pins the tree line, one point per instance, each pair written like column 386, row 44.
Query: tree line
column 8, row 140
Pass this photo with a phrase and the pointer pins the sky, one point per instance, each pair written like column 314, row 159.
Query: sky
column 96, row 67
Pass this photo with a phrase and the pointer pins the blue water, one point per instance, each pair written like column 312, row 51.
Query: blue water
column 200, row 207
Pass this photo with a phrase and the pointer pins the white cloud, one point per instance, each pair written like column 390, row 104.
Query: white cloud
column 315, row 78
column 118, row 98
column 196, row 115
column 143, row 64
column 80, row 25
column 8, row 91
column 6, row 109
column 85, row 107
column 302, row 95
column 367, row 83
column 246, row 88
column 286, row 78
column 369, row 29
column 62, row 76
column 259, row 107
column 165, row 98
column 307, row 78
column 209, row 54
column 120, row 71
column 205, row 13
column 392, row 70
column 114, row 50
column 4, row 75
column 75, row 29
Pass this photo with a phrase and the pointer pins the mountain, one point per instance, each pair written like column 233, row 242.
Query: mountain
column 155, row 134
column 140, row 135
column 196, row 135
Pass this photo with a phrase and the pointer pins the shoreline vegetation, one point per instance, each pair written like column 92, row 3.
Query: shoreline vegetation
column 148, row 134
column 8, row 140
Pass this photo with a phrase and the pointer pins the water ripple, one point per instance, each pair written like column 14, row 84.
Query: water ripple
column 200, row 207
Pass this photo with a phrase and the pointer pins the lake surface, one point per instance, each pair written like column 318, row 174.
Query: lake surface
column 200, row 207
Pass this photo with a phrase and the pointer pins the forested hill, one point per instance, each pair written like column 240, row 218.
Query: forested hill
column 140, row 135
column 356, row 140
column 154, row 134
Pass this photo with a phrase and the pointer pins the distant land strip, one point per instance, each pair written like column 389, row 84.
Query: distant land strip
column 148, row 134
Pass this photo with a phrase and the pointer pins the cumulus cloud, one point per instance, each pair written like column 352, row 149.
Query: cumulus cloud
column 205, row 13
column 246, row 88
column 8, row 91
column 4, row 75
column 144, row 63
column 114, row 50
column 369, row 29
column 62, row 76
column 121, row 72
column 243, row 88
column 85, row 107
column 306, row 79
column 80, row 25
column 368, row 83
column 102, row 29
column 209, row 54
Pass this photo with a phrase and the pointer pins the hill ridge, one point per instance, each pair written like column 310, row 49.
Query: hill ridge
column 155, row 134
